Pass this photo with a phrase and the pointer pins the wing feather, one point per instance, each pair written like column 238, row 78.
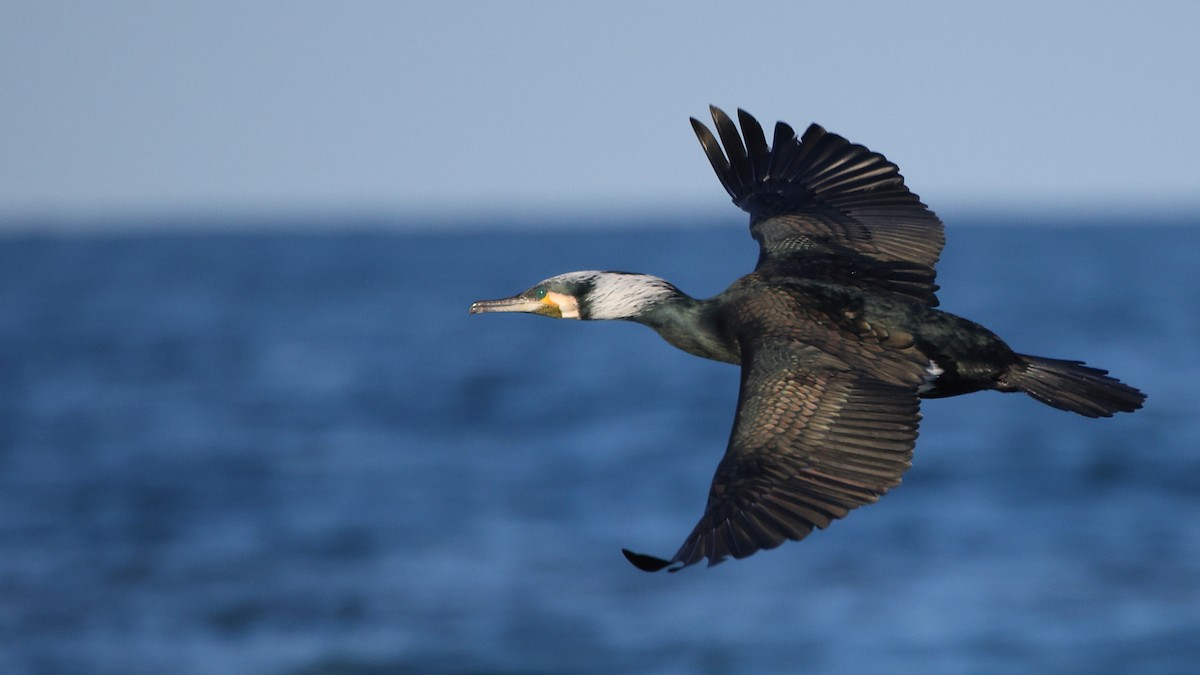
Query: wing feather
column 821, row 195
column 734, row 149
column 809, row 444
column 756, row 147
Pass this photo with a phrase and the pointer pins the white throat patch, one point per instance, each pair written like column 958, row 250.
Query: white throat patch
column 568, row 307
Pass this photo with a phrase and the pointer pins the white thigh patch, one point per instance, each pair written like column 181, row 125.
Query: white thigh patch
column 932, row 371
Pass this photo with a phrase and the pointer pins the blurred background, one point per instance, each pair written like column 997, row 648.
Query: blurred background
column 247, row 426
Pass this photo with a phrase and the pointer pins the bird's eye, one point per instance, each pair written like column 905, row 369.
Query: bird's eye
column 539, row 292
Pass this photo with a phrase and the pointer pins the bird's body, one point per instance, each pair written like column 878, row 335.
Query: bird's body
column 837, row 332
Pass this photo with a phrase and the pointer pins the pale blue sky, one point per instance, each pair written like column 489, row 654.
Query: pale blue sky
column 121, row 107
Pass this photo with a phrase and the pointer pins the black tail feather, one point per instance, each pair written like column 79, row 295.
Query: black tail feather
column 1070, row 385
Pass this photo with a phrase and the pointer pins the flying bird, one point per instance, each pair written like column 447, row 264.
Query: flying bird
column 836, row 330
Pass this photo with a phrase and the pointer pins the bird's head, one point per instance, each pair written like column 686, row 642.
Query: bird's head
column 585, row 295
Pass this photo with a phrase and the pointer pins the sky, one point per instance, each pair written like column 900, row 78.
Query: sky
column 122, row 108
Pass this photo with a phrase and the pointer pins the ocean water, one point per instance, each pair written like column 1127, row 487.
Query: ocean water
column 296, row 453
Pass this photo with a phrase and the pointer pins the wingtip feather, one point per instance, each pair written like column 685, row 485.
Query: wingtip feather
column 645, row 563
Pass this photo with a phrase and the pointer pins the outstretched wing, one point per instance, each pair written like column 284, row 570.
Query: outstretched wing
column 811, row 441
column 821, row 206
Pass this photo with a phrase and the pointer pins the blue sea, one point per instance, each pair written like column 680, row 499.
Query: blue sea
column 259, row 450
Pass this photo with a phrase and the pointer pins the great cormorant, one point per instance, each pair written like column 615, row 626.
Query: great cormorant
column 836, row 332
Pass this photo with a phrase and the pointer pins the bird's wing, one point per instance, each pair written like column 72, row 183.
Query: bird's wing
column 821, row 206
column 812, row 440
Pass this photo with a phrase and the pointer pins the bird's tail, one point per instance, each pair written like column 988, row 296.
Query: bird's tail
column 1070, row 385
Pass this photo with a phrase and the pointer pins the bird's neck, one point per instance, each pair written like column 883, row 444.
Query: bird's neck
column 683, row 321
column 691, row 325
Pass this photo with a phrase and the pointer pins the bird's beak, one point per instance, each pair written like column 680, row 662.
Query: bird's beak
column 517, row 303
column 553, row 305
